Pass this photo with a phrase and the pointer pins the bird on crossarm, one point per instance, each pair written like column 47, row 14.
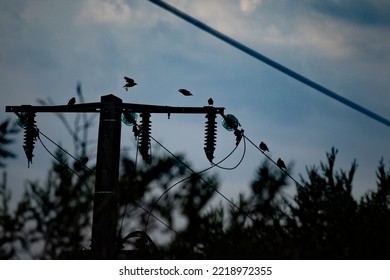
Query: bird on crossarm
column 72, row 101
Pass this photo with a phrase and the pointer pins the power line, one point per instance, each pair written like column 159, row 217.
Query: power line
column 74, row 172
column 196, row 173
column 186, row 178
column 65, row 151
column 110, row 108
column 157, row 218
column 239, row 162
column 150, row 212
column 271, row 62
column 269, row 158
column 104, row 213
column 61, row 162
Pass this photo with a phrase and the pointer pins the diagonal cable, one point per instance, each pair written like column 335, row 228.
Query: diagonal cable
column 205, row 181
column 271, row 62
column 270, row 159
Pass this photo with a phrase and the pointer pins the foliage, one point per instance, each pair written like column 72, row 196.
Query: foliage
column 165, row 199
column 10, row 223
column 5, row 130
column 375, row 219
column 326, row 213
column 58, row 215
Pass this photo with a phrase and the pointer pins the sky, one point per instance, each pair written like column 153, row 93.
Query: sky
column 47, row 47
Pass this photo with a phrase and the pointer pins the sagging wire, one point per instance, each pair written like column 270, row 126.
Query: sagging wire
column 207, row 183
column 141, row 234
column 136, row 129
column 182, row 180
column 239, row 162
column 165, row 192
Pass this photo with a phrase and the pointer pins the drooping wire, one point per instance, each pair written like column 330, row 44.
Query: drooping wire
column 165, row 192
column 269, row 158
column 182, row 180
column 201, row 178
column 136, row 129
column 238, row 164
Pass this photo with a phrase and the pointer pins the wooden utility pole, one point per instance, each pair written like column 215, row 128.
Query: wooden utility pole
column 105, row 208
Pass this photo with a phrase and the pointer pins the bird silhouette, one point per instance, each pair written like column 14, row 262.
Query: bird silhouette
column 84, row 160
column 81, row 163
column 263, row 147
column 129, row 83
column 210, row 101
column 280, row 164
column 185, row 92
column 72, row 101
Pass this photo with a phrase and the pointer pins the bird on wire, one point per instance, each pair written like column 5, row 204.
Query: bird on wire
column 280, row 164
column 263, row 147
column 210, row 101
column 185, row 92
column 72, row 101
column 129, row 83
column 81, row 163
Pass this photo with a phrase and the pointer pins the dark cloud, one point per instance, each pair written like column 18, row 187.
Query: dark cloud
column 364, row 12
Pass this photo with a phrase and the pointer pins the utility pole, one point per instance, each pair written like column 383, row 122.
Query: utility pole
column 105, row 208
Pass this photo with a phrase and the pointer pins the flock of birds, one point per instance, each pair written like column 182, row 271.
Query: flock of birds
column 264, row 148
column 131, row 83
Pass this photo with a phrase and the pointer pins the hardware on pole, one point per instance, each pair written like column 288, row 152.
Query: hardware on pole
column 112, row 112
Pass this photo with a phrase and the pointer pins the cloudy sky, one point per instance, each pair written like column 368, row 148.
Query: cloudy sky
column 48, row 46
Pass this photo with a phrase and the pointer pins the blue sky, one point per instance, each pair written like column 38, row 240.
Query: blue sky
column 48, row 46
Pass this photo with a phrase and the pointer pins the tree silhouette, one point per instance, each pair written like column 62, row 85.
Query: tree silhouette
column 58, row 215
column 224, row 232
column 167, row 200
column 9, row 222
column 374, row 211
column 325, row 214
column 6, row 130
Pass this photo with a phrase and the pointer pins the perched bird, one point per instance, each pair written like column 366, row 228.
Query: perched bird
column 129, row 83
column 84, row 160
column 72, row 101
column 81, row 163
column 263, row 147
column 280, row 164
column 185, row 92
column 210, row 101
